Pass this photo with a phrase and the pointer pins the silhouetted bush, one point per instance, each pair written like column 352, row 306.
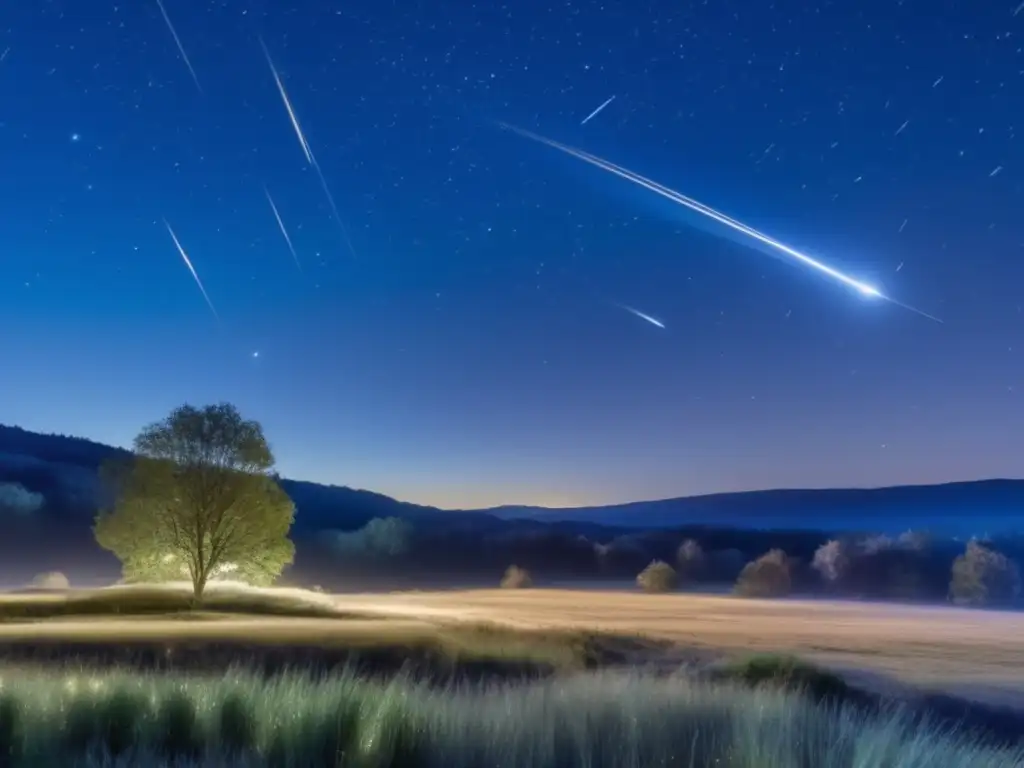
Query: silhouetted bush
column 768, row 576
column 659, row 576
column 516, row 578
column 982, row 576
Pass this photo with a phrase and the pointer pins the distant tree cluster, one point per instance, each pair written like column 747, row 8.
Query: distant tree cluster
column 381, row 537
column 15, row 499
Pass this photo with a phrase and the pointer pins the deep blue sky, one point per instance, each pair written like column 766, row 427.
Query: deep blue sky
column 472, row 352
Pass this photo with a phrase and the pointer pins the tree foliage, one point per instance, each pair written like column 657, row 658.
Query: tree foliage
column 768, row 576
column 516, row 578
column 982, row 576
column 659, row 576
column 198, row 501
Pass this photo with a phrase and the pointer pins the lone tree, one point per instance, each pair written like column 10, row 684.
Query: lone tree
column 198, row 500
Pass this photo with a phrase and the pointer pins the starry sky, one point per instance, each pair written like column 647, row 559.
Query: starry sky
column 456, row 334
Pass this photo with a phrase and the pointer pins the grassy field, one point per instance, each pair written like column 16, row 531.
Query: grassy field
column 967, row 652
column 85, row 679
column 135, row 625
column 594, row 721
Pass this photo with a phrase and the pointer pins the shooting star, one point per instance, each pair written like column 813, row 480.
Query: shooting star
column 306, row 149
column 284, row 231
column 177, row 42
column 864, row 289
column 593, row 114
column 641, row 315
column 195, row 275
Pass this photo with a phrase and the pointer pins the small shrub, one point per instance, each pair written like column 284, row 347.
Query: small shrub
column 659, row 576
column 768, row 576
column 50, row 580
column 791, row 674
column 516, row 578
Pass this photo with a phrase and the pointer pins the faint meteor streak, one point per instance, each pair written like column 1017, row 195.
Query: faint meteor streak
column 641, row 315
column 195, row 275
column 597, row 111
column 284, row 231
column 177, row 42
column 306, row 149
column 863, row 288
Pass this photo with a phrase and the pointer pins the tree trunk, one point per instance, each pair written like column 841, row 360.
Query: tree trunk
column 198, row 585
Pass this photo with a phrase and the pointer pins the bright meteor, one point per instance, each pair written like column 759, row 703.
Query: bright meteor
column 641, row 315
column 195, row 275
column 863, row 288
column 306, row 149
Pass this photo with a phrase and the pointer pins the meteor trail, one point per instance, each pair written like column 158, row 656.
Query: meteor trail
column 288, row 107
column 306, row 149
column 863, row 288
column 596, row 111
column 284, row 231
column 177, row 42
column 641, row 315
column 195, row 276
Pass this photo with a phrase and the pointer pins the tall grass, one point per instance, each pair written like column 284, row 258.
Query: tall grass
column 591, row 721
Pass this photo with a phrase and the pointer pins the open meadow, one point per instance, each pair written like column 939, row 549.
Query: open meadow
column 516, row 678
column 974, row 652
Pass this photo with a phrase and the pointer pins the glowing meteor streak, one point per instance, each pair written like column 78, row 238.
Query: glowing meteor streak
column 288, row 107
column 597, row 111
column 177, row 42
column 284, row 231
column 306, row 149
column 641, row 315
column 195, row 275
column 863, row 288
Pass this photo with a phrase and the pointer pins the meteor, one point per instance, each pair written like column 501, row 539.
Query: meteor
column 641, row 315
column 864, row 289
column 284, row 231
column 306, row 149
column 593, row 114
column 195, row 276
column 177, row 42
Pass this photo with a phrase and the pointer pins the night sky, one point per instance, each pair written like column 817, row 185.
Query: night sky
column 471, row 348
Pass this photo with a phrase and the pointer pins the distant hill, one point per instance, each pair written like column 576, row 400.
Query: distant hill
column 64, row 470
column 962, row 508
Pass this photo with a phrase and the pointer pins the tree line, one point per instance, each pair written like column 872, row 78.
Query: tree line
column 198, row 499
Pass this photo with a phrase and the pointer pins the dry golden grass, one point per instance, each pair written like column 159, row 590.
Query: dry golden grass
column 978, row 653
column 965, row 651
